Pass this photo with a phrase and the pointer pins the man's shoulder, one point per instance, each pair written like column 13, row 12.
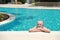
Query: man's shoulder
column 45, row 28
column 33, row 28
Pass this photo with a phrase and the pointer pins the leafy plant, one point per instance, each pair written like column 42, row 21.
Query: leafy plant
column 23, row 1
column 3, row 17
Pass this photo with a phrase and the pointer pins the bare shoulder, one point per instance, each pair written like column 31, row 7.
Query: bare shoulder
column 33, row 28
column 46, row 28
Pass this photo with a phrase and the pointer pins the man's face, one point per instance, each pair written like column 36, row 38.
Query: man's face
column 40, row 24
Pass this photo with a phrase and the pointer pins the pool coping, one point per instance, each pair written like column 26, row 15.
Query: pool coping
column 28, row 31
column 21, row 35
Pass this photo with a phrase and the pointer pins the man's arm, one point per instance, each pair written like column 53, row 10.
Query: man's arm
column 34, row 30
column 45, row 30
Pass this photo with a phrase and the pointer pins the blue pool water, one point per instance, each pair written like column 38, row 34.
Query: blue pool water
column 27, row 18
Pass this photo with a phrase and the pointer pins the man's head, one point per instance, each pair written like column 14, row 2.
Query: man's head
column 40, row 24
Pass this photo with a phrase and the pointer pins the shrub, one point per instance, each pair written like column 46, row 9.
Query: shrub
column 23, row 1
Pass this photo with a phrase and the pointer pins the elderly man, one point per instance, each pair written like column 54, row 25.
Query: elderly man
column 39, row 28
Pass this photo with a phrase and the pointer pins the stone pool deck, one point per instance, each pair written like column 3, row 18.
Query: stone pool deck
column 27, row 6
column 24, row 35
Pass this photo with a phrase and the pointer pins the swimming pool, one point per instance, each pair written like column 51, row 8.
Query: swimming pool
column 27, row 18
